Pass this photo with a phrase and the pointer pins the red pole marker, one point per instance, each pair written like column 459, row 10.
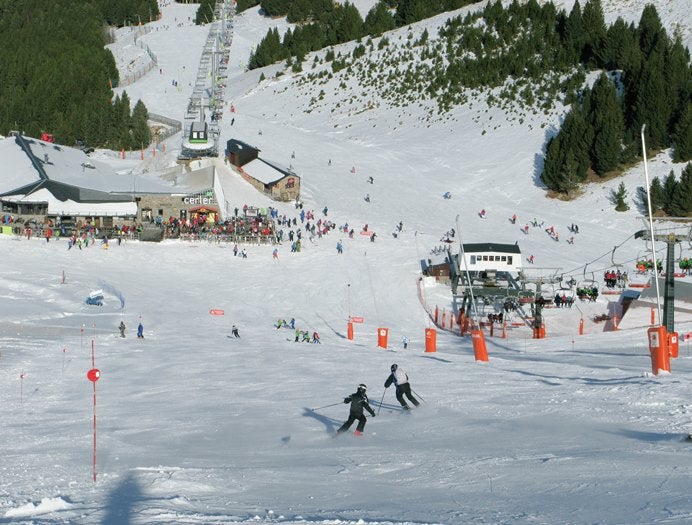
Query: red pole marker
column 21, row 387
column 94, row 375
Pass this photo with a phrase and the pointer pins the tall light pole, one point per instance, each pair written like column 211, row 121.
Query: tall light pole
column 651, row 226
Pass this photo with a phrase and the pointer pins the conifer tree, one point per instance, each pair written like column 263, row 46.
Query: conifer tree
column 595, row 31
column 573, row 33
column 619, row 46
column 652, row 35
column 681, row 199
column 620, row 196
column 682, row 136
column 606, row 120
column 678, row 80
column 656, row 195
column 141, row 133
column 378, row 20
column 651, row 105
column 669, row 188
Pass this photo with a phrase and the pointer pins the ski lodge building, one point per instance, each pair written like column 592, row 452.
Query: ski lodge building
column 488, row 264
column 46, row 183
column 279, row 183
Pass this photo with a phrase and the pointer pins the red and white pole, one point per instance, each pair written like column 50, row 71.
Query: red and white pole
column 93, row 375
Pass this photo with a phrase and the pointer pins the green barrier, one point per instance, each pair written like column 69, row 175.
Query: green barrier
column 6, row 230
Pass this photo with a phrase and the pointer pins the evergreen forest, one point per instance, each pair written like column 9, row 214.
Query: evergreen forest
column 57, row 74
column 524, row 54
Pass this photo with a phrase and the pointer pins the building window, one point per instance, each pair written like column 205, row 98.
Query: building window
column 504, row 258
column 473, row 259
column 509, row 259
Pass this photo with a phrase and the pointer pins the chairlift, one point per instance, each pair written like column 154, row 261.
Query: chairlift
column 567, row 285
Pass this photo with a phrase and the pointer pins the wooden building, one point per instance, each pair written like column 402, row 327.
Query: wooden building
column 280, row 183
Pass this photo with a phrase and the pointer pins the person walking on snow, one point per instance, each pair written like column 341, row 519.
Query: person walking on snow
column 403, row 387
column 140, row 331
column 359, row 402
column 404, row 341
column 234, row 331
column 122, row 329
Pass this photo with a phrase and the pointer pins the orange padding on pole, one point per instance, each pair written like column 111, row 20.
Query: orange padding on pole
column 349, row 331
column 430, row 340
column 382, row 334
column 673, row 344
column 658, row 347
column 479, row 349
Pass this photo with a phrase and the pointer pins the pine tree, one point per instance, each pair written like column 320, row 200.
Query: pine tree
column 656, row 195
column 681, row 200
column 652, row 35
column 595, row 31
column 620, row 196
column 651, row 105
column 378, row 20
column 678, row 79
column 682, row 136
column 567, row 159
column 141, row 133
column 620, row 47
column 606, row 120
column 669, row 187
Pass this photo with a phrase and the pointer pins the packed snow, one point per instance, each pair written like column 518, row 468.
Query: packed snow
column 194, row 426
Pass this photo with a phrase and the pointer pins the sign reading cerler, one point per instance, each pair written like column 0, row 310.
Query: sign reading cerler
column 200, row 198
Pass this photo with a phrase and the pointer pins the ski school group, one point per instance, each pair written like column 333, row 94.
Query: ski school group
column 360, row 403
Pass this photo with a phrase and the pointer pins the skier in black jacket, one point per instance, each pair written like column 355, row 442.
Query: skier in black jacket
column 403, row 388
column 359, row 401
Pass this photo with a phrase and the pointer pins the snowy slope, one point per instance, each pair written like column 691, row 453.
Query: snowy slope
column 196, row 427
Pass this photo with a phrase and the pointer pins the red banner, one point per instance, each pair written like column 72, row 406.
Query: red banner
column 216, row 312
column 356, row 319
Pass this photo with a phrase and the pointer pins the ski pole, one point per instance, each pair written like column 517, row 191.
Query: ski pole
column 325, row 406
column 381, row 401
column 420, row 396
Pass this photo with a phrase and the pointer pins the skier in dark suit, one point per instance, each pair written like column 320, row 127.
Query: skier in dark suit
column 359, row 401
column 403, row 388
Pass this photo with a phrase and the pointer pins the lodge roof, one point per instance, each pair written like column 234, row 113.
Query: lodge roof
column 487, row 247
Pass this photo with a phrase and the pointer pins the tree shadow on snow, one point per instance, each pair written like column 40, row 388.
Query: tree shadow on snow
column 329, row 423
column 121, row 502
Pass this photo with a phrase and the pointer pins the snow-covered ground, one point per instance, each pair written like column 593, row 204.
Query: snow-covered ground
column 195, row 427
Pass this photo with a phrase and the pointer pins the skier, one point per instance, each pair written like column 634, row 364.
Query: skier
column 404, row 341
column 339, row 247
column 359, row 401
column 403, row 387
column 275, row 253
column 316, row 338
column 122, row 329
column 530, row 259
column 372, row 237
column 140, row 331
column 234, row 331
